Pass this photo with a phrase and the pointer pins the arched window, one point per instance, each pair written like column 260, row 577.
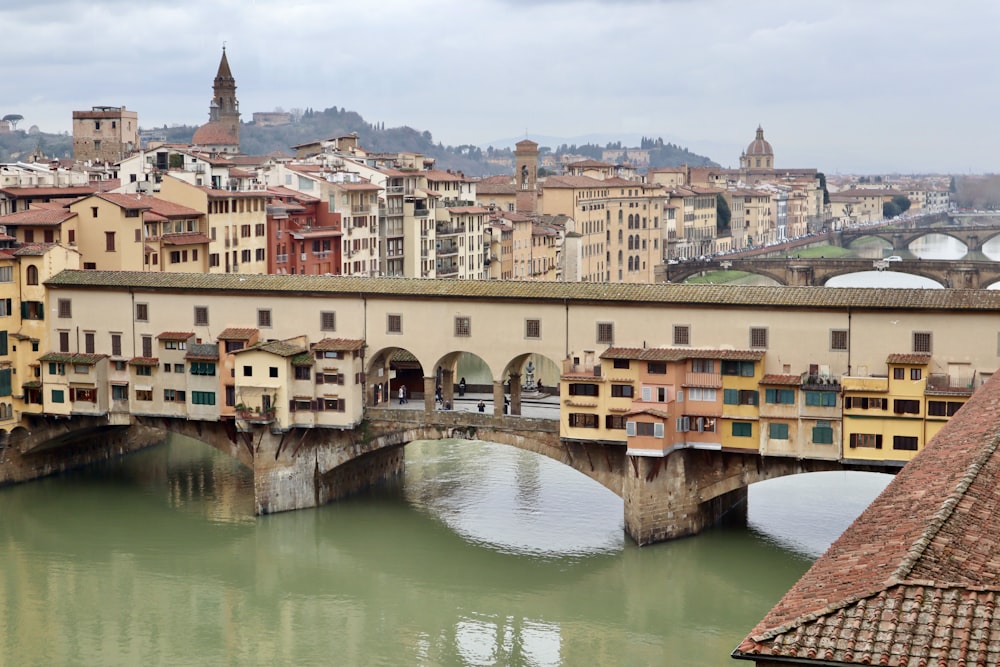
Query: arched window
column 621, row 216
column 32, row 275
column 620, row 256
column 629, row 263
column 619, row 236
column 630, row 242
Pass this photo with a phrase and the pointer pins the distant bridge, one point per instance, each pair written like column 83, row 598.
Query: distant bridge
column 957, row 274
column 972, row 237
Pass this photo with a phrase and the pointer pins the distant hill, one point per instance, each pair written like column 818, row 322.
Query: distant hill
column 311, row 125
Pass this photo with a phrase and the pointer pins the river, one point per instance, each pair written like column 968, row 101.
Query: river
column 482, row 555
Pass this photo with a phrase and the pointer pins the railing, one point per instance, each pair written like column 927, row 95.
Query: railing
column 703, row 380
column 361, row 210
column 281, row 259
column 420, row 212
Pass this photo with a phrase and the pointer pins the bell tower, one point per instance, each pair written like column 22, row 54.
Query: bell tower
column 225, row 108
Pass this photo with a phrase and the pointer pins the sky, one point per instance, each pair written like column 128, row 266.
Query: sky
column 844, row 86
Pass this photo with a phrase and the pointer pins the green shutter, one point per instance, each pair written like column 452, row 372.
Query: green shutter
column 5, row 382
column 730, row 396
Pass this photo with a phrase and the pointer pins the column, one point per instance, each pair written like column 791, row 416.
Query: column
column 515, row 393
column 429, row 388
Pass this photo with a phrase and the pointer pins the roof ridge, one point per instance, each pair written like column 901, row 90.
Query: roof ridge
column 941, row 517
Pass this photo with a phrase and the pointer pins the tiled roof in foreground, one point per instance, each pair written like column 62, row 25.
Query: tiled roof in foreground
column 751, row 296
column 915, row 580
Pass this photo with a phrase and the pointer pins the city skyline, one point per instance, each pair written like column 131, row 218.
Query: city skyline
column 844, row 87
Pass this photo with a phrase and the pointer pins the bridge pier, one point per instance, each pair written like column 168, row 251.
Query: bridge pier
column 679, row 495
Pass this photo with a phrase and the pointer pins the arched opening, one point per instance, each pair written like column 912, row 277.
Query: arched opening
column 393, row 376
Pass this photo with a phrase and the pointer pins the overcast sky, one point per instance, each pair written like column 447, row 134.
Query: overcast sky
column 862, row 86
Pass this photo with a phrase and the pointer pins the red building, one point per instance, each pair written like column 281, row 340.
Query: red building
column 303, row 235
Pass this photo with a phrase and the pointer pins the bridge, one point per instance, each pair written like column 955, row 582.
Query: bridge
column 317, row 441
column 972, row 237
column 959, row 274
column 664, row 498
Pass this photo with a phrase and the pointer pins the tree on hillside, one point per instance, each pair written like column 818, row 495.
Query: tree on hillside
column 902, row 202
column 13, row 119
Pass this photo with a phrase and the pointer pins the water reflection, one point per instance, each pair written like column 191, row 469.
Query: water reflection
column 486, row 555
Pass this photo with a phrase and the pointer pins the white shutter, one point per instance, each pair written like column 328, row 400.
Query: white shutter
column 647, row 394
column 680, row 396
column 658, row 430
column 701, row 424
column 630, row 428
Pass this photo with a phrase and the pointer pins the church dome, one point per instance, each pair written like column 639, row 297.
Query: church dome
column 759, row 146
column 215, row 133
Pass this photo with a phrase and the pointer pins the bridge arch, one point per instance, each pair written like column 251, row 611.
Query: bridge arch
column 908, row 270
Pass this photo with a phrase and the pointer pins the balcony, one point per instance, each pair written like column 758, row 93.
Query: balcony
column 281, row 259
column 708, row 380
column 448, row 230
column 420, row 212
column 445, row 249
column 942, row 383
column 588, row 370
column 361, row 210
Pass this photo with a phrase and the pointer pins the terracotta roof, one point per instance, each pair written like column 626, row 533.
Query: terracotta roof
column 467, row 209
column 175, row 335
column 144, row 361
column 34, row 249
column 916, row 359
column 679, row 354
column 915, row 579
column 777, row 378
column 703, row 296
column 573, row 182
column 279, row 347
column 338, row 344
column 186, row 238
column 73, row 358
column 496, row 189
column 202, row 352
column 235, row 333
column 38, row 217
column 73, row 191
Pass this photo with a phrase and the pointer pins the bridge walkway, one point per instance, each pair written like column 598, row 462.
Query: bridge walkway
column 545, row 407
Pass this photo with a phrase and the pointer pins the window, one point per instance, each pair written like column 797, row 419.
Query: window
column 463, row 326
column 742, row 429
column 32, row 310
column 758, row 337
column 5, row 307
column 202, row 368
column 898, row 373
column 605, row 332
column 174, row 395
column 244, row 256
column 699, row 394
column 175, row 256
column 144, row 370
column 906, row 406
column 394, row 324
column 65, row 308
column 88, row 342
column 233, row 345
column 272, row 371
column 906, row 442
column 822, row 433
column 656, row 367
column 583, row 389
column 682, row 334
column 119, row 392
column 702, row 365
column 532, row 328
column 143, row 394
column 334, row 404
column 245, row 231
column 142, row 312
column 147, row 346
column 916, row 373
column 109, row 241
column 258, row 254
column 31, row 275
column 825, row 399
column 621, row 363
column 866, row 403
column 264, row 317
column 740, row 368
column 582, row 420
column 328, row 321
column 58, row 396
column 57, row 368
column 646, row 429
column 64, row 341
column 922, row 341
column 259, row 229
column 203, row 398
column 777, row 431
column 868, row 440
column 6, row 274
column 779, row 396
column 740, row 397
column 116, row 345
column 248, row 371
column 622, row 391
column 614, row 422
column 943, row 408
column 303, row 372
column 838, row 339
column 201, row 316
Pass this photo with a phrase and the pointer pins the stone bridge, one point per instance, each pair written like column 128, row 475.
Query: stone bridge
column 664, row 498
column 958, row 274
column 972, row 237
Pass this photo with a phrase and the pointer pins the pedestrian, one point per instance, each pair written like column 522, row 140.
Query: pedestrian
column 461, row 387
column 506, row 405
column 437, row 394
column 402, row 395
column 482, row 406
